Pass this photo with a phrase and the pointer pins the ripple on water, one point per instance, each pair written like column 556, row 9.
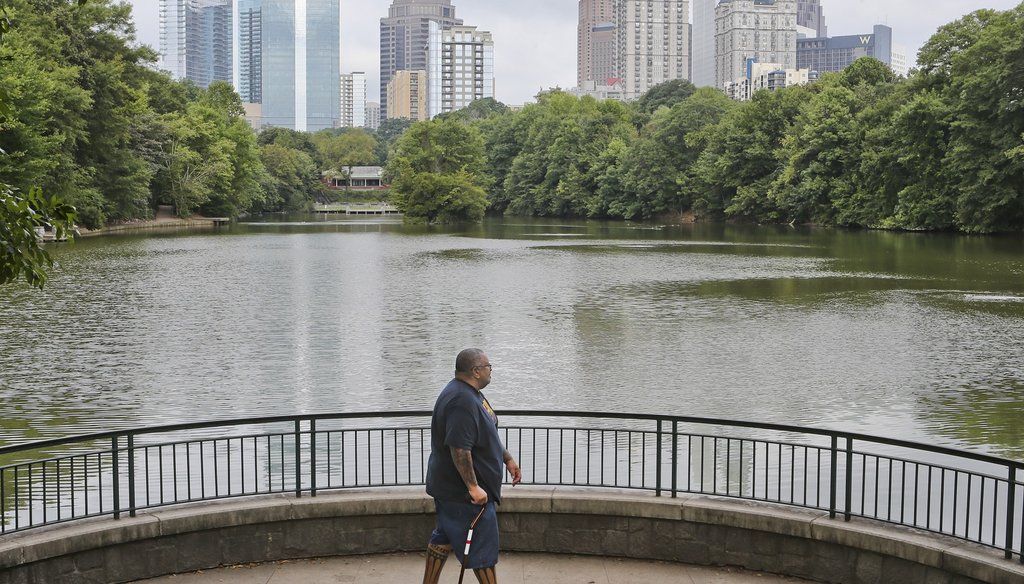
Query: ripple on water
column 149, row 330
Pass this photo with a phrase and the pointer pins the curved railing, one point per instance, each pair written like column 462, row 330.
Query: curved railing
column 975, row 497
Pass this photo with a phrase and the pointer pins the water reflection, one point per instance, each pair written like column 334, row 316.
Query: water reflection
column 908, row 335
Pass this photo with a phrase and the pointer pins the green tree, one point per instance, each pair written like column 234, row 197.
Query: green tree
column 242, row 188
column 388, row 132
column 339, row 150
column 503, row 140
column 437, row 173
column 659, row 169
column 478, row 110
column 663, row 95
column 950, row 40
column 819, row 155
column 21, row 215
column 734, row 172
column 867, row 71
column 290, row 180
column 209, row 160
column 559, row 140
column 921, row 131
column 99, row 39
column 289, row 139
column 986, row 86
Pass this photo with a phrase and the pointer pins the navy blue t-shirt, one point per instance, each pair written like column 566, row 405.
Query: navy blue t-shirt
column 463, row 419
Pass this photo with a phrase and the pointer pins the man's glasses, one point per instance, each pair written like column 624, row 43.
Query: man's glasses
column 488, row 367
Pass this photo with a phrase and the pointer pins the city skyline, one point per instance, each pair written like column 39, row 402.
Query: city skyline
column 534, row 53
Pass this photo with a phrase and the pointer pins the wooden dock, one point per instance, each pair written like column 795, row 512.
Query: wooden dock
column 358, row 210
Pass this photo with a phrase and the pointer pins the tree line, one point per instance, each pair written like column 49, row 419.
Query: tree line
column 942, row 149
column 91, row 133
column 90, row 120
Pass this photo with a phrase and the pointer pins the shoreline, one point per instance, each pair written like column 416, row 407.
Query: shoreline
column 148, row 225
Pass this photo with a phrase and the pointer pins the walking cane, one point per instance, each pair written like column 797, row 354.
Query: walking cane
column 469, row 540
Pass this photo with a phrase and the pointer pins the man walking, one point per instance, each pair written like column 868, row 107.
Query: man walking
column 465, row 471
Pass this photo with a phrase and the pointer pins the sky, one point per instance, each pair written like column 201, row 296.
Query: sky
column 535, row 40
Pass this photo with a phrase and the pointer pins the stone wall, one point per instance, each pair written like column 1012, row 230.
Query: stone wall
column 691, row 529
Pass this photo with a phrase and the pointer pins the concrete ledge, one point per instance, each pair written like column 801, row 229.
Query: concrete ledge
column 691, row 529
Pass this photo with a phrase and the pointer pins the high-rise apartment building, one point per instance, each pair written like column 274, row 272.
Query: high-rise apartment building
column 461, row 67
column 810, row 14
column 372, row 115
column 603, row 67
column 404, row 35
column 353, row 100
column 761, row 30
column 196, row 40
column 596, row 30
column 653, row 43
column 173, row 17
column 765, row 77
column 295, row 54
column 837, row 53
column 249, row 74
column 900, row 62
column 407, row 95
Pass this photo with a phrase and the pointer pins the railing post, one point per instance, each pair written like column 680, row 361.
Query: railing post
column 1011, row 500
column 298, row 458
column 675, row 456
column 312, row 457
column 117, row 477
column 1020, row 554
column 832, row 483
column 131, row 475
column 657, row 464
column 849, row 478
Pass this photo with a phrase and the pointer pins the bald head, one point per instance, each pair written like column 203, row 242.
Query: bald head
column 473, row 367
column 468, row 359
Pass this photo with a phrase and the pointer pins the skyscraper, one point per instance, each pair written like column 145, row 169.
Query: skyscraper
column 702, row 52
column 195, row 40
column 596, row 28
column 461, row 69
column 404, row 35
column 838, row 53
column 407, row 95
column 759, row 30
column 603, row 67
column 372, row 115
column 353, row 100
column 173, row 17
column 809, row 13
column 249, row 83
column 295, row 54
column 653, row 43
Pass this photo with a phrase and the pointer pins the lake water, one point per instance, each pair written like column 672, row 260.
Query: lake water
column 905, row 335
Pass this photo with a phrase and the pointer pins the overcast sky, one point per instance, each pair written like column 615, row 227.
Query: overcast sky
column 535, row 40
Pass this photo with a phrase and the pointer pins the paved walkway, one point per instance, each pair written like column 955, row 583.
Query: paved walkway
column 513, row 568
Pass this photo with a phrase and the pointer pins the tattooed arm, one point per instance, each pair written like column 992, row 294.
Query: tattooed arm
column 463, row 460
column 513, row 467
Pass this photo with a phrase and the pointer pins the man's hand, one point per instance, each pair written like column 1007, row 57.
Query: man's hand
column 477, row 495
column 513, row 469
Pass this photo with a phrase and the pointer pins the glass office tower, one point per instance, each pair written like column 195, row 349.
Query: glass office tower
column 298, row 61
column 250, row 51
column 195, row 40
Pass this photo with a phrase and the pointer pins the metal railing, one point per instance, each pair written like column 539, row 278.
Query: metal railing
column 975, row 497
